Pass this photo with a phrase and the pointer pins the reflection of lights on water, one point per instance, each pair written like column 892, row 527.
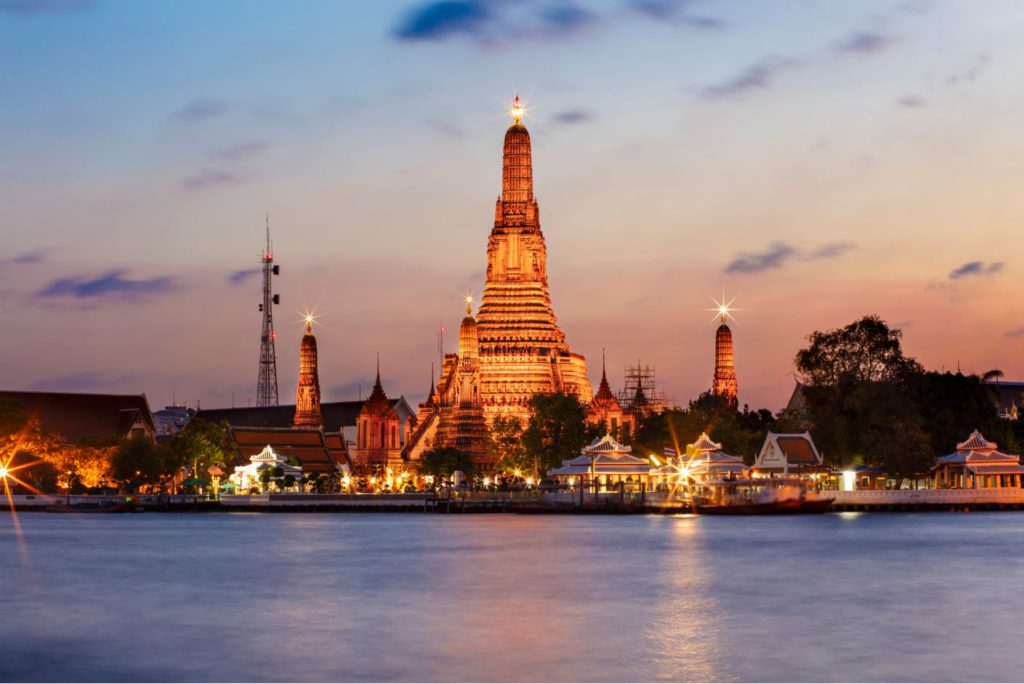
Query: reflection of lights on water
column 850, row 515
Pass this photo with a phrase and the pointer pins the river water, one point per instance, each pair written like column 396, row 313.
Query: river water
column 256, row 597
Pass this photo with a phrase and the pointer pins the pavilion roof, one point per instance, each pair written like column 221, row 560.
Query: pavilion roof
column 607, row 445
column 704, row 444
column 976, row 442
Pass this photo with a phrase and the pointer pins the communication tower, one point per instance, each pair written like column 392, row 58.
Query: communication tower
column 266, row 388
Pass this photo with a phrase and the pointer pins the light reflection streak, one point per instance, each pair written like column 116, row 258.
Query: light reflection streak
column 684, row 625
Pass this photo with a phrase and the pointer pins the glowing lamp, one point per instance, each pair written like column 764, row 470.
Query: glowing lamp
column 849, row 480
column 3, row 471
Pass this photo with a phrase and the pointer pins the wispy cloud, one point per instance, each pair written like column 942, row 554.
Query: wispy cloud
column 830, row 251
column 202, row 109
column 29, row 258
column 112, row 285
column 209, row 178
column 237, row 277
column 911, row 101
column 758, row 76
column 495, row 23
column 972, row 72
column 864, row 43
column 27, row 8
column 976, row 268
column 775, row 256
column 573, row 116
column 1015, row 333
column 675, row 12
column 492, row 23
column 779, row 254
column 239, row 151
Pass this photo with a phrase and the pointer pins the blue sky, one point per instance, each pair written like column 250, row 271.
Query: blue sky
column 822, row 160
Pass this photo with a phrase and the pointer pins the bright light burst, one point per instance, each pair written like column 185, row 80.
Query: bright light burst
column 518, row 109
column 309, row 318
column 723, row 309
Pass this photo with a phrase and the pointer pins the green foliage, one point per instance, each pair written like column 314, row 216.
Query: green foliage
column 138, row 461
column 444, row 461
column 864, row 351
column 739, row 432
column 556, row 432
column 200, row 444
column 505, row 445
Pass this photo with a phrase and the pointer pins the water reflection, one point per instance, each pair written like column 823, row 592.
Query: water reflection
column 159, row 597
column 682, row 636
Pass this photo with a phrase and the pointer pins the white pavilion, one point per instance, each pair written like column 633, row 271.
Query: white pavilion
column 977, row 463
column 247, row 477
column 605, row 460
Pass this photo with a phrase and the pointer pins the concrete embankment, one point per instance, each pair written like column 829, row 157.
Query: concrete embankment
column 531, row 502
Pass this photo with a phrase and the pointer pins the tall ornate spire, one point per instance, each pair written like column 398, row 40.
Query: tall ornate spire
column 307, row 391
column 378, row 390
column 517, row 170
column 725, row 369
column 604, row 390
column 468, row 340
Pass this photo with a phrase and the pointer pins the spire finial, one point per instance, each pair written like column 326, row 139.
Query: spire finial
column 469, row 305
column 518, row 109
column 378, row 368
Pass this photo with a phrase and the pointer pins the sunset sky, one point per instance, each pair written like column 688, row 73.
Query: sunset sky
column 818, row 160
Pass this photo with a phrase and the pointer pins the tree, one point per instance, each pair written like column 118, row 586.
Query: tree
column 864, row 351
column 556, row 432
column 200, row 446
column 739, row 432
column 505, row 446
column 24, row 450
column 138, row 462
column 442, row 462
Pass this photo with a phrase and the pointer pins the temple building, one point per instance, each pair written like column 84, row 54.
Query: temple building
column 379, row 433
column 605, row 409
column 975, row 464
column 522, row 351
column 789, row 454
column 454, row 416
column 307, row 390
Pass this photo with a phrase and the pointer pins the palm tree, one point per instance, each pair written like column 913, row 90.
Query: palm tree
column 994, row 374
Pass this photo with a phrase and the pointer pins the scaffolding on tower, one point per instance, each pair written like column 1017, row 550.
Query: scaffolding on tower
column 266, row 387
column 641, row 392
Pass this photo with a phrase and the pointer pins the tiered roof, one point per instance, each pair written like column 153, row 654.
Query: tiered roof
column 310, row 447
column 609, row 457
column 982, row 457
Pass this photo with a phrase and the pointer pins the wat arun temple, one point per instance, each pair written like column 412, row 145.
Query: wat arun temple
column 513, row 349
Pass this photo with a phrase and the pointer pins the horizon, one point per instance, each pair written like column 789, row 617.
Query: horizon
column 819, row 165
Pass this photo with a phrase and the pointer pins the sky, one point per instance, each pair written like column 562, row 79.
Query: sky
column 817, row 160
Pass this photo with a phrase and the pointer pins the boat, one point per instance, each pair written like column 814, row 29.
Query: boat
column 760, row 497
column 128, row 505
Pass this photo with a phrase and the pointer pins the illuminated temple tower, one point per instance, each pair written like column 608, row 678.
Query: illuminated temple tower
column 522, row 350
column 724, row 384
column 307, row 390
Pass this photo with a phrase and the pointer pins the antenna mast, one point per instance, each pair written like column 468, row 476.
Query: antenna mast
column 266, row 388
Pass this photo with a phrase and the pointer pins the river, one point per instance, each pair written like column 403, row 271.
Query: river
column 272, row 597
